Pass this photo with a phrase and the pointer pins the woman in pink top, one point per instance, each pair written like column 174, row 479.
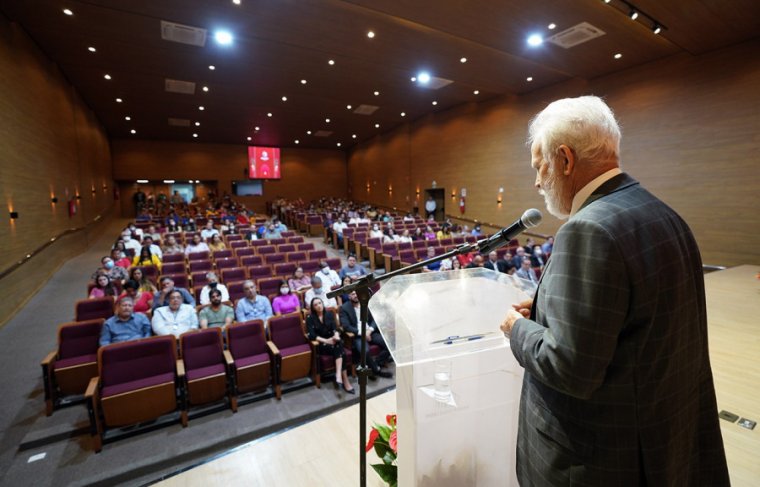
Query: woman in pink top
column 103, row 287
column 286, row 302
column 299, row 281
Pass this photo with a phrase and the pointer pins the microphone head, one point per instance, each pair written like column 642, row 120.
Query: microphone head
column 531, row 218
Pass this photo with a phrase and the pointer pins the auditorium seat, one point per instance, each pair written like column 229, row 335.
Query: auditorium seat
column 93, row 309
column 296, row 257
column 263, row 250
column 226, row 263
column 310, row 266
column 171, row 258
column 199, row 279
column 204, row 255
column 233, row 274
column 285, row 269
column 222, row 254
column 317, row 254
column 271, row 259
column 250, row 260
column 244, row 251
column 180, row 280
column 326, row 363
column 295, row 360
column 207, row 376
column 305, row 247
column 199, row 266
column 252, row 357
column 173, row 267
column 259, row 271
column 67, row 370
column 295, row 240
column 235, row 290
column 285, row 248
column 237, row 245
column 268, row 285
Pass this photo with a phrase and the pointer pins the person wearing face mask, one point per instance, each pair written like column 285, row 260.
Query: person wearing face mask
column 329, row 277
column 213, row 283
column 318, row 291
column 537, row 257
column 131, row 246
column 108, row 267
column 286, row 302
column 216, row 314
column 118, row 257
column 375, row 232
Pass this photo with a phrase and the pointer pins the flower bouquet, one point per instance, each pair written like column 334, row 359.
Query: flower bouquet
column 384, row 440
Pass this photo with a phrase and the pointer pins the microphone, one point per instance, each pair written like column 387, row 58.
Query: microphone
column 529, row 219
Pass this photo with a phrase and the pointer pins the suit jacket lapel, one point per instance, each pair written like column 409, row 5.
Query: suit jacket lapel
column 617, row 183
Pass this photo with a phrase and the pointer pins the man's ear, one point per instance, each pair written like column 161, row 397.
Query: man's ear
column 567, row 158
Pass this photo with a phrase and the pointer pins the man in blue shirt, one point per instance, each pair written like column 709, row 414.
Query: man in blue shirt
column 352, row 270
column 161, row 298
column 125, row 324
column 253, row 306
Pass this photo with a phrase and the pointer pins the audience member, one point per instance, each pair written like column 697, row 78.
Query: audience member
column 350, row 319
column 318, row 291
column 152, row 233
column 131, row 246
column 286, row 302
column 119, row 259
column 103, row 287
column 161, row 298
column 537, row 258
column 196, row 246
column 209, row 231
column 115, row 273
column 176, row 318
column 429, row 233
column 338, row 228
column 125, row 325
column 253, row 306
column 136, row 274
column 146, row 258
column 329, row 277
column 272, row 232
column 216, row 244
column 477, row 261
column 529, row 244
column 494, row 263
column 299, row 281
column 321, row 327
column 405, row 237
column 344, row 297
column 171, row 246
column 142, row 300
column 433, row 266
column 352, row 270
column 154, row 249
column 476, row 231
column 376, row 232
column 455, row 264
column 430, row 207
column 517, row 260
column 213, row 283
column 216, row 314
column 526, row 272
column 251, row 234
column 548, row 246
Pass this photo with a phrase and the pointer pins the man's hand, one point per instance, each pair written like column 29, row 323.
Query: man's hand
column 524, row 307
column 521, row 310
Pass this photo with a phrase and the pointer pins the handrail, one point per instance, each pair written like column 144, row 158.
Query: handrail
column 50, row 242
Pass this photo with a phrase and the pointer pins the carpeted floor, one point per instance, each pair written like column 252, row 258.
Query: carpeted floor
column 57, row 450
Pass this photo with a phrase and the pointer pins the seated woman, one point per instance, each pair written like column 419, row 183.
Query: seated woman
column 137, row 275
column 216, row 243
column 103, row 287
column 286, row 302
column 146, row 258
column 322, row 328
column 429, row 233
column 143, row 299
column 119, row 259
column 172, row 247
column 344, row 297
column 299, row 281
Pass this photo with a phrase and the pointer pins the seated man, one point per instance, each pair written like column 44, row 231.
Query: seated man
column 433, row 266
column 213, row 283
column 209, row 231
column 108, row 267
column 125, row 324
column 121, row 260
column 154, row 249
column 216, row 314
column 175, row 319
column 161, row 298
column 352, row 270
column 253, row 306
column 171, row 246
column 496, row 264
column 349, row 318
column 329, row 277
column 526, row 272
column 130, row 244
column 318, row 291
column 477, row 261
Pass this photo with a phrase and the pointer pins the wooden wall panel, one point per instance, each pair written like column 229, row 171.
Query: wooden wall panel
column 690, row 135
column 51, row 144
column 306, row 173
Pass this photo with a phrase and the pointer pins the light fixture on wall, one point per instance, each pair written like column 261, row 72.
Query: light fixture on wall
column 54, row 199
column 14, row 215
column 453, row 193
column 499, row 196
column 390, row 189
column 637, row 15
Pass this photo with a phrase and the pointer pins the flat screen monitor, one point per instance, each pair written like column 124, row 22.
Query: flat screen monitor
column 263, row 162
column 247, row 188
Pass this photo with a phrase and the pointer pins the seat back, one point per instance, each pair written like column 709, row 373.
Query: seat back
column 222, row 254
column 274, row 258
column 201, row 348
column 173, row 267
column 266, row 249
column 268, row 285
column 305, row 247
column 199, row 279
column 235, row 289
column 317, row 254
column 238, row 245
column 180, row 280
column 79, row 338
column 297, row 256
column 226, row 263
column 295, row 240
column 285, row 269
column 285, row 248
column 247, row 339
column 173, row 258
column 233, row 274
column 334, row 263
column 310, row 266
column 203, row 255
column 199, row 265
column 243, row 251
column 92, row 309
column 287, row 330
column 130, row 361
column 256, row 272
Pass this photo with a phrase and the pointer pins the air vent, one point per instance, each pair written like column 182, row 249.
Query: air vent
column 184, row 34
column 323, row 133
column 577, row 34
column 177, row 86
column 436, row 83
column 366, row 109
column 179, row 122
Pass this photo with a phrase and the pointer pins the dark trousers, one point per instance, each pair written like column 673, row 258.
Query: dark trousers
column 374, row 363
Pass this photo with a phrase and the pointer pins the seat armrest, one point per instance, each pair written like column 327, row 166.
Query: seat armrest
column 49, row 358
column 92, row 387
column 273, row 350
column 228, row 358
column 180, row 368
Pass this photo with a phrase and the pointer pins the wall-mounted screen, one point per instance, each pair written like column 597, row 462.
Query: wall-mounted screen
column 263, row 162
column 247, row 188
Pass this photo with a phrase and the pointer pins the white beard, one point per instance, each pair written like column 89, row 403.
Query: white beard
column 553, row 192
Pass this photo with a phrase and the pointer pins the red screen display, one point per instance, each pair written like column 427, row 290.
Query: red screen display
column 263, row 163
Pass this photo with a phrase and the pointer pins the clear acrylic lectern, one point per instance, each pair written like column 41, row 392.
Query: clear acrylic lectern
column 457, row 382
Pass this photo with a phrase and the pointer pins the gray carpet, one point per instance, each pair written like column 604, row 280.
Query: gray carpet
column 141, row 459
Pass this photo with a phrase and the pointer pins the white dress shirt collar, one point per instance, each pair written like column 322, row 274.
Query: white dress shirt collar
column 582, row 195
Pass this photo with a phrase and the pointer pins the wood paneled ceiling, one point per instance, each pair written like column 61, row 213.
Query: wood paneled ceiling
column 278, row 43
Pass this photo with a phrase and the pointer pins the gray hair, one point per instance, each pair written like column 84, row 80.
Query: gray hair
column 210, row 274
column 585, row 124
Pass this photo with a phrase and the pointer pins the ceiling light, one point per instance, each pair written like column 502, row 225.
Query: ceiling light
column 168, row 181
column 370, row 34
column 656, row 29
column 403, row 114
column 327, row 120
column 463, row 60
column 607, row 1
column 195, row 136
column 308, row 132
column 338, row 144
column 435, row 102
column 68, row 12
column 377, row 93
column 618, row 56
column 223, row 37
column 91, row 49
column 552, row 26
column 205, row 88
column 190, row 181
column 256, row 129
column 529, row 79
column 423, row 78
column 413, row 78
column 201, row 108
column 212, row 67
column 119, row 100
column 107, row 76
column 236, row 2
column 348, row 107
column 284, row 98
column 248, row 139
column 197, row 181
column 353, row 136
column 296, row 141
column 377, row 125
column 142, row 181
column 269, row 114
column 133, row 131
column 331, row 62
column 535, row 40
column 303, row 81
column 476, row 92
column 633, row 14
column 197, row 124
column 127, row 118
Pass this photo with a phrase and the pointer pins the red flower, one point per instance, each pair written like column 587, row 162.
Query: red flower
column 393, row 442
column 390, row 419
column 373, row 435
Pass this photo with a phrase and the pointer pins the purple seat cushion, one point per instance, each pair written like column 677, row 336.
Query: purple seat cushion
column 202, row 349
column 113, row 390
column 286, row 332
column 205, row 372
column 82, row 339
column 72, row 361
column 287, row 352
column 246, row 340
column 251, row 360
column 132, row 361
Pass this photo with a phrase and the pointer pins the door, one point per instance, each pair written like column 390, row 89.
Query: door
column 438, row 195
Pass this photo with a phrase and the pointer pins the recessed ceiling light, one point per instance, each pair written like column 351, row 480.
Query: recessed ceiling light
column 338, row 144
column 634, row 15
column 552, row 26
column 327, row 120
column 535, row 40
column 308, row 132
column 197, row 124
column 127, row 118
column 212, row 67
column 201, row 108
column 284, row 98
column 223, row 37
column 331, row 62
column 68, row 12
column 403, row 114
column 303, row 81
column 205, row 88
column 413, row 78
column 248, row 139
column 256, row 129
column 371, row 34
column 236, row 2
column 269, row 114
column 119, row 100
column 197, row 181
column 133, row 131
column 377, row 125
column 377, row 93
column 91, row 49
column 435, row 102
column 463, row 60
column 423, row 78
column 195, row 136
column 353, row 136
column 656, row 29
column 618, row 56
column 348, row 107
column 476, row 92
column 107, row 76
column 296, row 141
column 529, row 79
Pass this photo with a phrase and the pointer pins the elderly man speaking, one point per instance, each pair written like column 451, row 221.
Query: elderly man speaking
column 618, row 388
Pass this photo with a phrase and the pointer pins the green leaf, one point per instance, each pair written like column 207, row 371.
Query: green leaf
column 388, row 473
column 385, row 432
column 382, row 448
column 389, row 457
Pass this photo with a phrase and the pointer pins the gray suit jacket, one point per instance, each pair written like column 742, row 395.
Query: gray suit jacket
column 618, row 388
